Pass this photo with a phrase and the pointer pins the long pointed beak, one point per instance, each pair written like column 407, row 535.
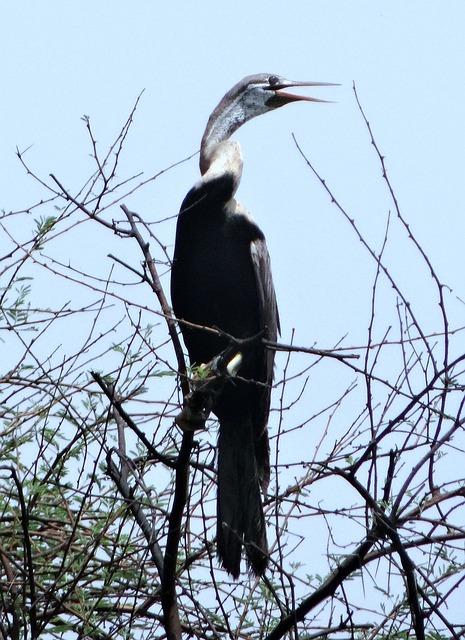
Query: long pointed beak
column 281, row 97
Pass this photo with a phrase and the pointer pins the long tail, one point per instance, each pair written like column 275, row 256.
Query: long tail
column 240, row 519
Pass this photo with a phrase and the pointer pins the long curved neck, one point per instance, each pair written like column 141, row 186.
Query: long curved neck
column 242, row 103
column 223, row 122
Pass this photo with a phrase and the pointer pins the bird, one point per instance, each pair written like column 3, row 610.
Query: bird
column 221, row 279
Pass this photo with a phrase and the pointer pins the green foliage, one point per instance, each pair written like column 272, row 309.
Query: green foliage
column 73, row 563
column 17, row 309
column 43, row 226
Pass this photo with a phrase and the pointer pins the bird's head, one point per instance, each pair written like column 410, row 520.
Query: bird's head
column 249, row 98
column 265, row 92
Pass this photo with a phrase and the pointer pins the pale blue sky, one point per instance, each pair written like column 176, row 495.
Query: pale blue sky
column 61, row 60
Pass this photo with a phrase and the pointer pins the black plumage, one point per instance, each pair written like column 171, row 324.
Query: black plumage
column 221, row 278
column 217, row 283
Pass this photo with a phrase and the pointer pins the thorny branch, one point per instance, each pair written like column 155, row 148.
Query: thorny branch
column 389, row 455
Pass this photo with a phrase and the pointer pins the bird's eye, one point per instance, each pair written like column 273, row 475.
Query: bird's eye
column 273, row 80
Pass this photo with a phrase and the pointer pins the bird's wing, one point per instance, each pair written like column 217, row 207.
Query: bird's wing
column 265, row 287
column 270, row 321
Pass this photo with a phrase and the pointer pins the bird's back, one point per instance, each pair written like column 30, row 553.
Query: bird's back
column 215, row 282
